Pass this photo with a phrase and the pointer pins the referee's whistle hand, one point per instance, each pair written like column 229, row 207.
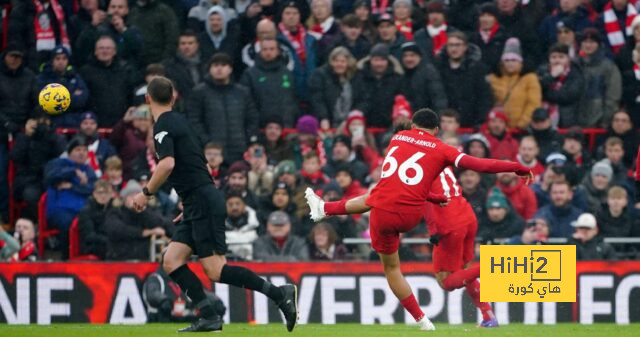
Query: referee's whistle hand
column 139, row 202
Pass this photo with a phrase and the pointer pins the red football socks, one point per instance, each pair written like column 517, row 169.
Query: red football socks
column 411, row 304
column 473, row 289
column 460, row 278
column 335, row 207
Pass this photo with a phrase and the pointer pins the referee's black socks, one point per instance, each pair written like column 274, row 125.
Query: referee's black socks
column 245, row 278
column 190, row 284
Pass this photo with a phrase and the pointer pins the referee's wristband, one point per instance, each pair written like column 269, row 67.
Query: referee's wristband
column 146, row 192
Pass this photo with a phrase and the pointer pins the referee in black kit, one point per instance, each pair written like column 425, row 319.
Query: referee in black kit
column 201, row 230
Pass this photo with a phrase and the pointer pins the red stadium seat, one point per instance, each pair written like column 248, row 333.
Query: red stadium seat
column 74, row 244
column 43, row 231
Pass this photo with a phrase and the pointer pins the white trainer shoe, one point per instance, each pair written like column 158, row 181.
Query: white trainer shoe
column 315, row 204
column 426, row 325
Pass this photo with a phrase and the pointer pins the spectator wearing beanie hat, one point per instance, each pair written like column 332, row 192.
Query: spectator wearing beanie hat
column 421, row 83
column 517, row 91
column 308, row 139
column 341, row 154
column 276, row 145
column 603, row 82
column 377, row 82
column 490, row 36
column 563, row 85
column 432, row 38
column 502, row 143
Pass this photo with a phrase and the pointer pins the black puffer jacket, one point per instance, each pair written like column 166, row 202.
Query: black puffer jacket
column 325, row 89
column 375, row 95
column 467, row 89
column 224, row 114
column 567, row 97
column 111, row 88
column 272, row 86
column 18, row 95
column 423, row 87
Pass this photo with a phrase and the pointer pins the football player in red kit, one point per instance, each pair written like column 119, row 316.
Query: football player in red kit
column 415, row 159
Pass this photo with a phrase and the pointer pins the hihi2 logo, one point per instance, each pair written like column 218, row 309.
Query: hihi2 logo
column 528, row 273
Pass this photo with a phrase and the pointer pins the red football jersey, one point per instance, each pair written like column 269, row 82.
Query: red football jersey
column 457, row 213
column 414, row 159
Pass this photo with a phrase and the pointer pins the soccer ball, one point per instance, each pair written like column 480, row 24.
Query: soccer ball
column 54, row 98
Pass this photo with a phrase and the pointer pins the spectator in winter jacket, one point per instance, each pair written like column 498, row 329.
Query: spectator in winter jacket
column 279, row 244
column 351, row 37
column 110, row 81
column 129, row 137
column 615, row 219
column 590, row 246
column 501, row 221
column 325, row 245
column 220, row 35
column 115, row 23
column 623, row 128
column 341, row 154
column 423, row 85
column 464, row 81
column 241, row 227
column 159, row 29
column 603, row 82
column 516, row 90
column 520, row 196
column 31, row 151
column 473, row 191
column 490, row 36
column 129, row 232
column 563, row 84
column 222, row 111
column 272, row 85
column 323, row 26
column 546, row 136
column 58, row 70
column 99, row 148
column 187, row 67
column 301, row 43
column 528, row 152
column 332, row 89
column 570, row 9
column 388, row 35
column 378, row 81
column 432, row 38
column 91, row 220
column 502, row 143
column 277, row 146
column 560, row 213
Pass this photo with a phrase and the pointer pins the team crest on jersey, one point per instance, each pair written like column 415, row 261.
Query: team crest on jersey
column 160, row 136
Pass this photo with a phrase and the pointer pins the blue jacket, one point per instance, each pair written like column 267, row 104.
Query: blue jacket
column 60, row 170
column 559, row 219
column 302, row 73
column 70, row 79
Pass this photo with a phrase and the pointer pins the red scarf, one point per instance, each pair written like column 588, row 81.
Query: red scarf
column 297, row 40
column 438, row 36
column 611, row 25
column 636, row 71
column 45, row 36
column 406, row 29
column 377, row 10
column 487, row 36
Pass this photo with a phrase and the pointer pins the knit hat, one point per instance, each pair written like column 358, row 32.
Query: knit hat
column 512, row 50
column 602, row 168
column 239, row 166
column 489, row 8
column 342, row 139
column 285, row 167
column 355, row 115
column 497, row 199
column 435, row 6
column 412, row 47
column 407, row 3
column 132, row 187
column 498, row 112
column 590, row 33
column 76, row 141
column 307, row 124
column 380, row 50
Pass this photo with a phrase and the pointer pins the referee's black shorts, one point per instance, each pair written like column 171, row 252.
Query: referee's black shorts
column 202, row 227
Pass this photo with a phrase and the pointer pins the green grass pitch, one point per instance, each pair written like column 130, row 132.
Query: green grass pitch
column 319, row 330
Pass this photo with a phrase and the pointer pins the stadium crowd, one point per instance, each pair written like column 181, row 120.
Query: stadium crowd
column 290, row 94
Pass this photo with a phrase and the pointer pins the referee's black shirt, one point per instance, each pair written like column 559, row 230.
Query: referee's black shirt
column 174, row 137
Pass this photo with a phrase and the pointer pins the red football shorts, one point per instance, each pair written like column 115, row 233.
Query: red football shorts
column 385, row 228
column 456, row 248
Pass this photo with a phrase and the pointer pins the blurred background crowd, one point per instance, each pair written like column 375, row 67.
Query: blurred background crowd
column 292, row 94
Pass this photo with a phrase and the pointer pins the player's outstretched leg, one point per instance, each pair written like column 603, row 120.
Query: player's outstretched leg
column 402, row 290
column 286, row 296
column 488, row 318
column 174, row 264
